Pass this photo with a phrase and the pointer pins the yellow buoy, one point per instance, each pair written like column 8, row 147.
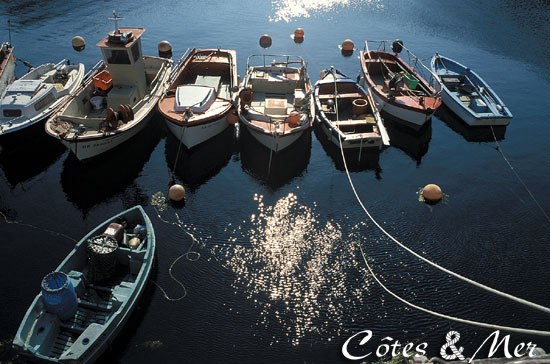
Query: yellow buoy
column 176, row 192
column 78, row 43
column 432, row 193
column 134, row 243
column 265, row 41
column 348, row 45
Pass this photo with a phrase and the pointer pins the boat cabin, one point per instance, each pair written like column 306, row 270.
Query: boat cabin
column 124, row 61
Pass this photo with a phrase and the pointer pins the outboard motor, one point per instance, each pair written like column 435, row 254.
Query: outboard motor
column 397, row 46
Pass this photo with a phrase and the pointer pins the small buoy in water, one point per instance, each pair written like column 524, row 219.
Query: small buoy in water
column 265, row 41
column 165, row 49
column 176, row 192
column 232, row 118
column 298, row 35
column 134, row 243
column 348, row 45
column 78, row 43
column 397, row 46
column 432, row 193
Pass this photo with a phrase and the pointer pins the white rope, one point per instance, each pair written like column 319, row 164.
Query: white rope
column 465, row 279
column 499, row 148
column 452, row 318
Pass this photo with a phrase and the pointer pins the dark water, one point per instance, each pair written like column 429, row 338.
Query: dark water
column 280, row 277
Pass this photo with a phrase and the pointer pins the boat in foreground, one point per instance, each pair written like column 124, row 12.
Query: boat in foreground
column 201, row 95
column 399, row 90
column 37, row 94
column 113, row 104
column 468, row 95
column 347, row 113
column 87, row 300
column 7, row 66
column 275, row 103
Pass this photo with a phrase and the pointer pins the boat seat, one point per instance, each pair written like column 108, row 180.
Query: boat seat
column 95, row 306
column 211, row 81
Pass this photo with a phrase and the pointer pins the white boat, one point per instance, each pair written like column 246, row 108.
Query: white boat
column 204, row 82
column 113, row 104
column 347, row 113
column 98, row 286
column 468, row 95
column 275, row 103
column 7, row 66
column 37, row 94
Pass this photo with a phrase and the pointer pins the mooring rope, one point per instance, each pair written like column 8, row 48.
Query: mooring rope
column 456, row 275
column 36, row 227
column 499, row 148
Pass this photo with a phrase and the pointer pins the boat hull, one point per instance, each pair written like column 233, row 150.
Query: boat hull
column 274, row 142
column 457, row 107
column 352, row 142
column 194, row 135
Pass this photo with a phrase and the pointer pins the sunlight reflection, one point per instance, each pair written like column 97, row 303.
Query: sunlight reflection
column 288, row 10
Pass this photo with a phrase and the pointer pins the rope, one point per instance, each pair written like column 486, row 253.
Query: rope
column 498, row 147
column 456, row 275
column 36, row 227
column 452, row 318
column 183, row 128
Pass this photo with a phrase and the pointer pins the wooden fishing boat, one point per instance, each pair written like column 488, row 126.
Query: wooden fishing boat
column 399, row 89
column 7, row 66
column 113, row 104
column 347, row 113
column 275, row 103
column 468, row 95
column 103, row 296
column 201, row 95
column 37, row 94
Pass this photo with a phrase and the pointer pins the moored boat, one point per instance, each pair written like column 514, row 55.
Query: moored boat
column 275, row 103
column 201, row 95
column 347, row 113
column 468, row 95
column 114, row 103
column 398, row 88
column 7, row 66
column 87, row 300
column 37, row 94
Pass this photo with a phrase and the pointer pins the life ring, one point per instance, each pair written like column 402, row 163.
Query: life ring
column 246, row 96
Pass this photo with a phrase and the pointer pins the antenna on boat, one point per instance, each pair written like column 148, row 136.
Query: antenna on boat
column 116, row 19
column 9, row 30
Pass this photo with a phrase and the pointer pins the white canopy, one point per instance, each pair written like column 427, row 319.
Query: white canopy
column 197, row 98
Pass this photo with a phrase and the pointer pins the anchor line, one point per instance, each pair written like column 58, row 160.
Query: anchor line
column 5, row 218
column 441, row 268
column 499, row 148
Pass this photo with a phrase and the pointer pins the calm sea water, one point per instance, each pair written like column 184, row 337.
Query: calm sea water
column 276, row 274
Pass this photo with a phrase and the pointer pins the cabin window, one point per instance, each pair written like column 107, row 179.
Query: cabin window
column 115, row 56
column 12, row 113
column 46, row 100
column 135, row 51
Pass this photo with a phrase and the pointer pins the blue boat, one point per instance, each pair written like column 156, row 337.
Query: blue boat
column 106, row 273
column 468, row 95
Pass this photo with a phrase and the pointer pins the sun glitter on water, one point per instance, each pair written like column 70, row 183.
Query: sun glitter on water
column 296, row 269
column 288, row 10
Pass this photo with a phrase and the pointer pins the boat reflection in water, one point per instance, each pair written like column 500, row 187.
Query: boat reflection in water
column 413, row 143
column 98, row 179
column 285, row 165
column 356, row 160
column 197, row 165
column 470, row 133
column 22, row 162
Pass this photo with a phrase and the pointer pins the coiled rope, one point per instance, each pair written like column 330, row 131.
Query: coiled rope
column 456, row 275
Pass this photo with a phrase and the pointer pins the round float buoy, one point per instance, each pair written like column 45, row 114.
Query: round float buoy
column 299, row 33
column 432, row 193
column 265, row 41
column 176, row 192
column 397, row 46
column 78, row 43
column 232, row 118
column 294, row 118
column 348, row 45
column 165, row 49
column 246, row 96
column 134, row 243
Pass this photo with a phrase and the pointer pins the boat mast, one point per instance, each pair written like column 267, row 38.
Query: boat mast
column 116, row 19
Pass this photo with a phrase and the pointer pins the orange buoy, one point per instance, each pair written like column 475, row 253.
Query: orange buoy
column 246, row 96
column 348, row 45
column 432, row 193
column 299, row 33
column 78, row 43
column 294, row 118
column 111, row 118
column 265, row 41
column 176, row 192
column 232, row 118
